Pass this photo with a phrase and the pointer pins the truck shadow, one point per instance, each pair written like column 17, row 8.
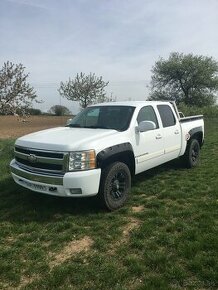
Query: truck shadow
column 175, row 164
column 22, row 205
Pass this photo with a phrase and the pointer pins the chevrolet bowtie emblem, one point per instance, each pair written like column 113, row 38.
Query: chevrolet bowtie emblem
column 32, row 158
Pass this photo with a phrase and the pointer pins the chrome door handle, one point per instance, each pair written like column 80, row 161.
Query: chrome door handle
column 176, row 132
column 158, row 136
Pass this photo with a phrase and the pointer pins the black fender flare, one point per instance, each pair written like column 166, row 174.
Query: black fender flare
column 197, row 131
column 116, row 153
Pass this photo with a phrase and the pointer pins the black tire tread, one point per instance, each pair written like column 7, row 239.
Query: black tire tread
column 187, row 158
column 102, row 191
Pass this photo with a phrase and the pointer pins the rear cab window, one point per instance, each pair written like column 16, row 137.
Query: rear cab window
column 167, row 116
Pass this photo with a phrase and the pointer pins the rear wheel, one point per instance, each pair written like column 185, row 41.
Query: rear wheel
column 192, row 154
column 115, row 185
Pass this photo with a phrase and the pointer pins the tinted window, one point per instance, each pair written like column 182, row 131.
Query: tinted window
column 104, row 117
column 166, row 115
column 147, row 114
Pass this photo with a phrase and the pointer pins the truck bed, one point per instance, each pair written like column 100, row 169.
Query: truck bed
column 190, row 118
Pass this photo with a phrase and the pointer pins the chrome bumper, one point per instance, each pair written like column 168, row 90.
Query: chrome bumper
column 54, row 180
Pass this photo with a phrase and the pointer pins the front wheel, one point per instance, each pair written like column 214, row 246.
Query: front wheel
column 115, row 185
column 192, row 154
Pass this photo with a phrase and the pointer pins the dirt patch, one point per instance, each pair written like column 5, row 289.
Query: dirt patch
column 148, row 197
column 10, row 240
column 134, row 284
column 71, row 249
column 11, row 127
column 139, row 208
column 127, row 229
column 133, row 224
column 25, row 280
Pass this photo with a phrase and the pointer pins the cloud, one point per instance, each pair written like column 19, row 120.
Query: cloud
column 118, row 39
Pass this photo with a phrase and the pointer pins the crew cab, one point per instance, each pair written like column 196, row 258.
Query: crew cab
column 103, row 147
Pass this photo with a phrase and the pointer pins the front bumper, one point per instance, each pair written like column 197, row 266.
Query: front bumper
column 73, row 184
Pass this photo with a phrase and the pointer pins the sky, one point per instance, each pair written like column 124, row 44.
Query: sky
column 119, row 40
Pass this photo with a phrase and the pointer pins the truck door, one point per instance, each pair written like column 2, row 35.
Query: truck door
column 171, row 132
column 150, row 144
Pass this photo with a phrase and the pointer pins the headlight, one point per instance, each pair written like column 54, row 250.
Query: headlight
column 82, row 160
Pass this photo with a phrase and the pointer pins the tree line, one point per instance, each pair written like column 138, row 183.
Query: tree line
column 188, row 79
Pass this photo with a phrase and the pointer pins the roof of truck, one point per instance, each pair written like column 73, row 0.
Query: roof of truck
column 131, row 103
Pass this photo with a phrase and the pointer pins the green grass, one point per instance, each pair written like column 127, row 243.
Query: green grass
column 170, row 243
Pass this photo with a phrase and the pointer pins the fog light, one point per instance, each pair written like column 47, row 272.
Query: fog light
column 75, row 191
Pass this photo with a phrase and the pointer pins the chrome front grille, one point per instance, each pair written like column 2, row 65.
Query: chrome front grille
column 40, row 160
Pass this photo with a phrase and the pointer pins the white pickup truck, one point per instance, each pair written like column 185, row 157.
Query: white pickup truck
column 103, row 147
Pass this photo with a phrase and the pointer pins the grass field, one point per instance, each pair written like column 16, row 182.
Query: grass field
column 166, row 237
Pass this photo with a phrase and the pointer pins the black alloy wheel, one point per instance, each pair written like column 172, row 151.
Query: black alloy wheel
column 115, row 185
column 192, row 154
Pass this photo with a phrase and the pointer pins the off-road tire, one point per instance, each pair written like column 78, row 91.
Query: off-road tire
column 192, row 155
column 115, row 185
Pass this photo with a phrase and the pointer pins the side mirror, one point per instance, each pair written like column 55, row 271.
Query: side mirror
column 146, row 126
column 68, row 122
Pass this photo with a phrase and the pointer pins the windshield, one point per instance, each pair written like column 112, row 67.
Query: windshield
column 104, row 117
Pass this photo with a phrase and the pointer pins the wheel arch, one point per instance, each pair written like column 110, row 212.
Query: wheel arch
column 118, row 153
column 197, row 133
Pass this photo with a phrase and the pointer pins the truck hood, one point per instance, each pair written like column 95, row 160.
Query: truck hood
column 65, row 138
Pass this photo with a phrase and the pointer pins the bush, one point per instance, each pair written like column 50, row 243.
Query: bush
column 59, row 110
column 32, row 111
column 207, row 111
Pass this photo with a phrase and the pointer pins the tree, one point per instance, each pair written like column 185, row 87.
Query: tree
column 32, row 111
column 59, row 110
column 189, row 79
column 87, row 89
column 15, row 92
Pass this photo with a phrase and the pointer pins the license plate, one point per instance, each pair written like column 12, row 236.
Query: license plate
column 34, row 186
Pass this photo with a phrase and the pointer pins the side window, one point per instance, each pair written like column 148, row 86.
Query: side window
column 147, row 114
column 167, row 116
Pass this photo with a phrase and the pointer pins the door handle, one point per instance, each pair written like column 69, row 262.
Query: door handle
column 176, row 132
column 158, row 136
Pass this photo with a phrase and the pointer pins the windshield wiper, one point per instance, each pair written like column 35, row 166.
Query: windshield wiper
column 89, row 127
column 99, row 127
column 73, row 126
column 95, row 127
